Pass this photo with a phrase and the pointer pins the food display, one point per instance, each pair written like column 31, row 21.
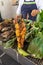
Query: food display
column 20, row 32
column 7, row 32
column 26, row 35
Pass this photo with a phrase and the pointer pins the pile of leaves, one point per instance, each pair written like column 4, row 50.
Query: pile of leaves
column 35, row 47
column 7, row 33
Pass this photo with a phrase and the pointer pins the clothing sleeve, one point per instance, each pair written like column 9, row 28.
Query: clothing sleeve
column 39, row 4
column 19, row 7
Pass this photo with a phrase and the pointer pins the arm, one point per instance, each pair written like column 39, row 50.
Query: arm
column 19, row 7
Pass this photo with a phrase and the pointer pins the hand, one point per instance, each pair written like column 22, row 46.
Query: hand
column 34, row 12
column 16, row 19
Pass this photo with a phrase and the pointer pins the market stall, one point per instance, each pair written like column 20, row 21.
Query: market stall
column 21, row 40
column 32, row 50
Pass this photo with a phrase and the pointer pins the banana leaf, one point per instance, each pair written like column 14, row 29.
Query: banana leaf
column 22, row 52
column 40, row 16
column 27, row 21
column 36, row 48
column 9, row 43
column 41, row 25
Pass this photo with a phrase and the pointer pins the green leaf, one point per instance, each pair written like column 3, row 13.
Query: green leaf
column 9, row 43
column 22, row 52
column 36, row 47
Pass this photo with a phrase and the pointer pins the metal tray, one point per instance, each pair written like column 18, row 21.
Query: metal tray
column 1, row 50
column 23, row 60
column 19, row 58
column 7, row 59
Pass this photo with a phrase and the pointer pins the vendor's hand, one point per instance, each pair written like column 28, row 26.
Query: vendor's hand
column 34, row 12
column 16, row 19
